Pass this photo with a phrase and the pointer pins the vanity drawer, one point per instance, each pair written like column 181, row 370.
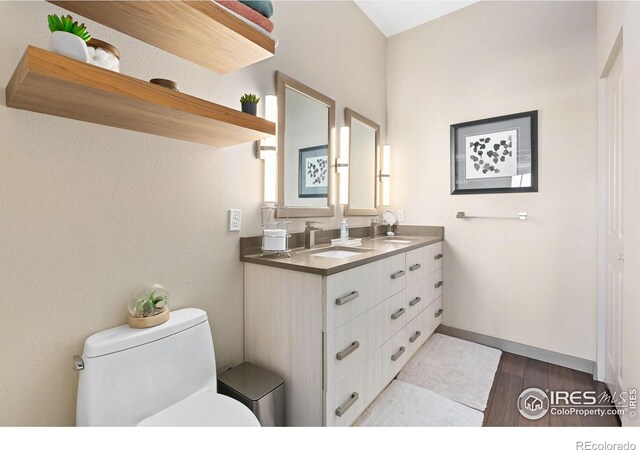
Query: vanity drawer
column 390, row 317
column 347, row 347
column 348, row 398
column 416, row 332
column 435, row 312
column 418, row 296
column 435, row 256
column 348, row 294
column 416, row 263
column 436, row 284
column 393, row 357
column 391, row 276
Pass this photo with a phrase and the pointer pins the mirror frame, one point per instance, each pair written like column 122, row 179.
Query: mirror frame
column 282, row 83
column 349, row 115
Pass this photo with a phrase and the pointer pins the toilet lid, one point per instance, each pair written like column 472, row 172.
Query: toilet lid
column 204, row 409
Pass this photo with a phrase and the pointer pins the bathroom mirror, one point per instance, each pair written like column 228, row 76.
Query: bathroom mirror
column 364, row 140
column 306, row 129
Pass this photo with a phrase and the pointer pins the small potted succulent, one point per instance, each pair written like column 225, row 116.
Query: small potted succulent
column 68, row 38
column 249, row 103
column 149, row 309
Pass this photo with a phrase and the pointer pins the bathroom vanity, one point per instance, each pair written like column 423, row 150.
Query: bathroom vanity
column 339, row 323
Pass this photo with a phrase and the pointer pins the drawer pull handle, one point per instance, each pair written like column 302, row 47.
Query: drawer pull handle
column 397, row 354
column 414, row 267
column 346, row 352
column 438, row 284
column 347, row 298
column 438, row 256
column 413, row 338
column 397, row 314
column 439, row 313
column 340, row 410
column 398, row 274
column 415, row 301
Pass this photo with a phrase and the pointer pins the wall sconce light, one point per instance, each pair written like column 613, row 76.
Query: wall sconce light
column 342, row 167
column 267, row 150
column 385, row 176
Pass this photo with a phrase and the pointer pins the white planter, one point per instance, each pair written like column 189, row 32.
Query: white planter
column 70, row 45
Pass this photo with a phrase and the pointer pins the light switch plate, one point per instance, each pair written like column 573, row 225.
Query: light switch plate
column 401, row 215
column 235, row 217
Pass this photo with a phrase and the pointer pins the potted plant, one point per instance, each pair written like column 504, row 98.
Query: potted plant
column 149, row 309
column 68, row 38
column 249, row 103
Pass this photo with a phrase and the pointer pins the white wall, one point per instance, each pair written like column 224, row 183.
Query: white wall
column 89, row 214
column 530, row 282
column 613, row 17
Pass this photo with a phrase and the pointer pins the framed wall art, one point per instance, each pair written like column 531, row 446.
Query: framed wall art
column 496, row 155
column 313, row 172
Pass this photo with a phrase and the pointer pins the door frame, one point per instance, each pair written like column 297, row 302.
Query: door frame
column 602, row 209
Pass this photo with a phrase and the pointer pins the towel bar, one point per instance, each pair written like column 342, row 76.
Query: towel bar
column 521, row 216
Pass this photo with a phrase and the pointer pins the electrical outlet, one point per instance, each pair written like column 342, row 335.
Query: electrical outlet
column 401, row 215
column 235, row 217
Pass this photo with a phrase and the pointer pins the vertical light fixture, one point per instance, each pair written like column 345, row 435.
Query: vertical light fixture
column 385, row 176
column 342, row 167
column 266, row 149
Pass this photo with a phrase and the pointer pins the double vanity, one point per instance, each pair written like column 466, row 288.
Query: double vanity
column 339, row 323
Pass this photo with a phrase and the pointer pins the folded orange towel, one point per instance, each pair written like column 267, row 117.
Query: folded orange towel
column 248, row 13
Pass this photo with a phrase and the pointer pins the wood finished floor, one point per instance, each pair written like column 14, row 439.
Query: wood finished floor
column 516, row 373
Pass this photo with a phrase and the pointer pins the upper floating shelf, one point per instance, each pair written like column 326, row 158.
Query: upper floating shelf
column 49, row 83
column 200, row 31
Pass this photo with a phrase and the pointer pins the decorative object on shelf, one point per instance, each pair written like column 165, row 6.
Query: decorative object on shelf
column 313, row 172
column 495, row 155
column 249, row 103
column 103, row 54
column 165, row 83
column 275, row 234
column 68, row 38
column 149, row 309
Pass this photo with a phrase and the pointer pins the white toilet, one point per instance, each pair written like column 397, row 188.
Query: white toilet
column 160, row 376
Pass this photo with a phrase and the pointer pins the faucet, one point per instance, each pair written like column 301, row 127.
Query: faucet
column 310, row 228
column 375, row 223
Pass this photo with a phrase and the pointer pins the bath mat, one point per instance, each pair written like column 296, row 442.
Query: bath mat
column 459, row 370
column 406, row 405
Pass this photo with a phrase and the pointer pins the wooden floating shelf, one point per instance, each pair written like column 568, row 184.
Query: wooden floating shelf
column 53, row 84
column 200, row 31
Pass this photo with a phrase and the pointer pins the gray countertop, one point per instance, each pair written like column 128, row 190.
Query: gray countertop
column 307, row 260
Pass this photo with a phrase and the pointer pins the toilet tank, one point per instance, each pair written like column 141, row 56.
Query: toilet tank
column 130, row 374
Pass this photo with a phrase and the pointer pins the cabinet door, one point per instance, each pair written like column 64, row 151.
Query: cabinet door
column 391, row 276
column 418, row 296
column 348, row 294
column 435, row 312
column 394, row 356
column 389, row 318
column 416, row 265
column 435, row 256
column 346, row 348
column 348, row 398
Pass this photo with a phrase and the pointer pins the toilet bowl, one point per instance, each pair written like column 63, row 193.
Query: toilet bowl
column 160, row 376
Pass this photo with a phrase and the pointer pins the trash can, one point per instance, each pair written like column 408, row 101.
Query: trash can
column 260, row 390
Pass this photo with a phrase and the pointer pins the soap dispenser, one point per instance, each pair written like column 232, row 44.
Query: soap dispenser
column 344, row 230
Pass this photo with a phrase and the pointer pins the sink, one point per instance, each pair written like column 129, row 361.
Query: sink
column 340, row 252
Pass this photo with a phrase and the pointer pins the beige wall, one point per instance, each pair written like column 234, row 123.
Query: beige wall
column 530, row 282
column 90, row 214
column 612, row 18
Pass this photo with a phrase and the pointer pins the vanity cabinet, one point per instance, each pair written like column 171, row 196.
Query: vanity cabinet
column 339, row 340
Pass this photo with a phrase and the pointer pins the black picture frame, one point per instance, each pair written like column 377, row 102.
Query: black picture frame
column 310, row 191
column 521, row 161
